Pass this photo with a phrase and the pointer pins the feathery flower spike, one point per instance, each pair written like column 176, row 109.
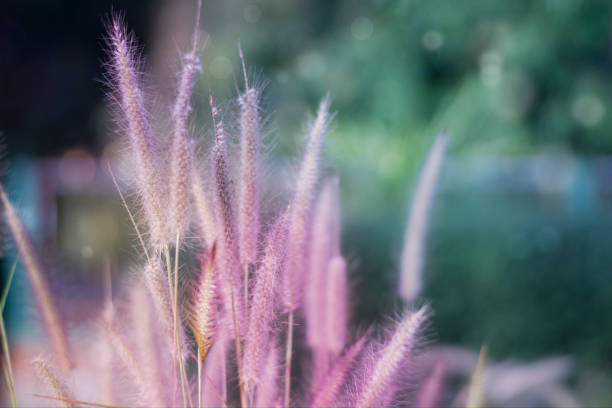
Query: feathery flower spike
column 203, row 209
column 325, row 244
column 227, row 244
column 124, row 67
column 375, row 389
column 248, row 191
column 203, row 313
column 300, row 209
column 181, row 161
column 330, row 388
column 53, row 380
column 267, row 391
column 336, row 297
column 262, row 310
column 416, row 228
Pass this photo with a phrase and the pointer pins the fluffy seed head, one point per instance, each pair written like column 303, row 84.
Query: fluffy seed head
column 203, row 310
column 374, row 391
column 229, row 268
column 300, row 210
column 330, row 387
column 336, row 306
column 181, row 156
column 124, row 71
column 267, row 391
column 262, row 311
column 416, row 229
column 203, row 208
column 53, row 380
column 248, row 189
column 325, row 244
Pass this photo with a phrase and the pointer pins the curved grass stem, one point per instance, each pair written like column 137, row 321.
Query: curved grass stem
column 288, row 355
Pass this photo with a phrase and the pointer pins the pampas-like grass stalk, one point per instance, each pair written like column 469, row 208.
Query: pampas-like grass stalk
column 225, row 219
column 181, row 157
column 54, row 381
column 203, row 308
column 336, row 305
column 261, row 313
column 301, row 207
column 125, row 77
column 416, row 228
column 267, row 392
column 248, row 189
column 329, row 389
column 375, row 388
column 44, row 298
column 205, row 217
column 298, row 230
column 325, row 244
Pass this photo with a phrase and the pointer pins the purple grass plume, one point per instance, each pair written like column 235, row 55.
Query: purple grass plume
column 258, row 273
column 125, row 78
column 413, row 253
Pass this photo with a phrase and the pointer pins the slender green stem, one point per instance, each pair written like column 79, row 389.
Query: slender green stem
column 288, row 355
column 144, row 247
column 199, row 379
column 7, row 365
column 176, row 314
column 174, row 343
column 243, row 402
column 5, row 291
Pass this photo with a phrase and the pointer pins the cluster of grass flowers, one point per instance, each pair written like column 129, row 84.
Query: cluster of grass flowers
column 227, row 335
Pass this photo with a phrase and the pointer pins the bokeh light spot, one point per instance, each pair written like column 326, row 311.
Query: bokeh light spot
column 588, row 110
column 490, row 68
column 77, row 168
column 433, row 40
column 251, row 13
column 221, row 67
column 362, row 28
column 311, row 65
